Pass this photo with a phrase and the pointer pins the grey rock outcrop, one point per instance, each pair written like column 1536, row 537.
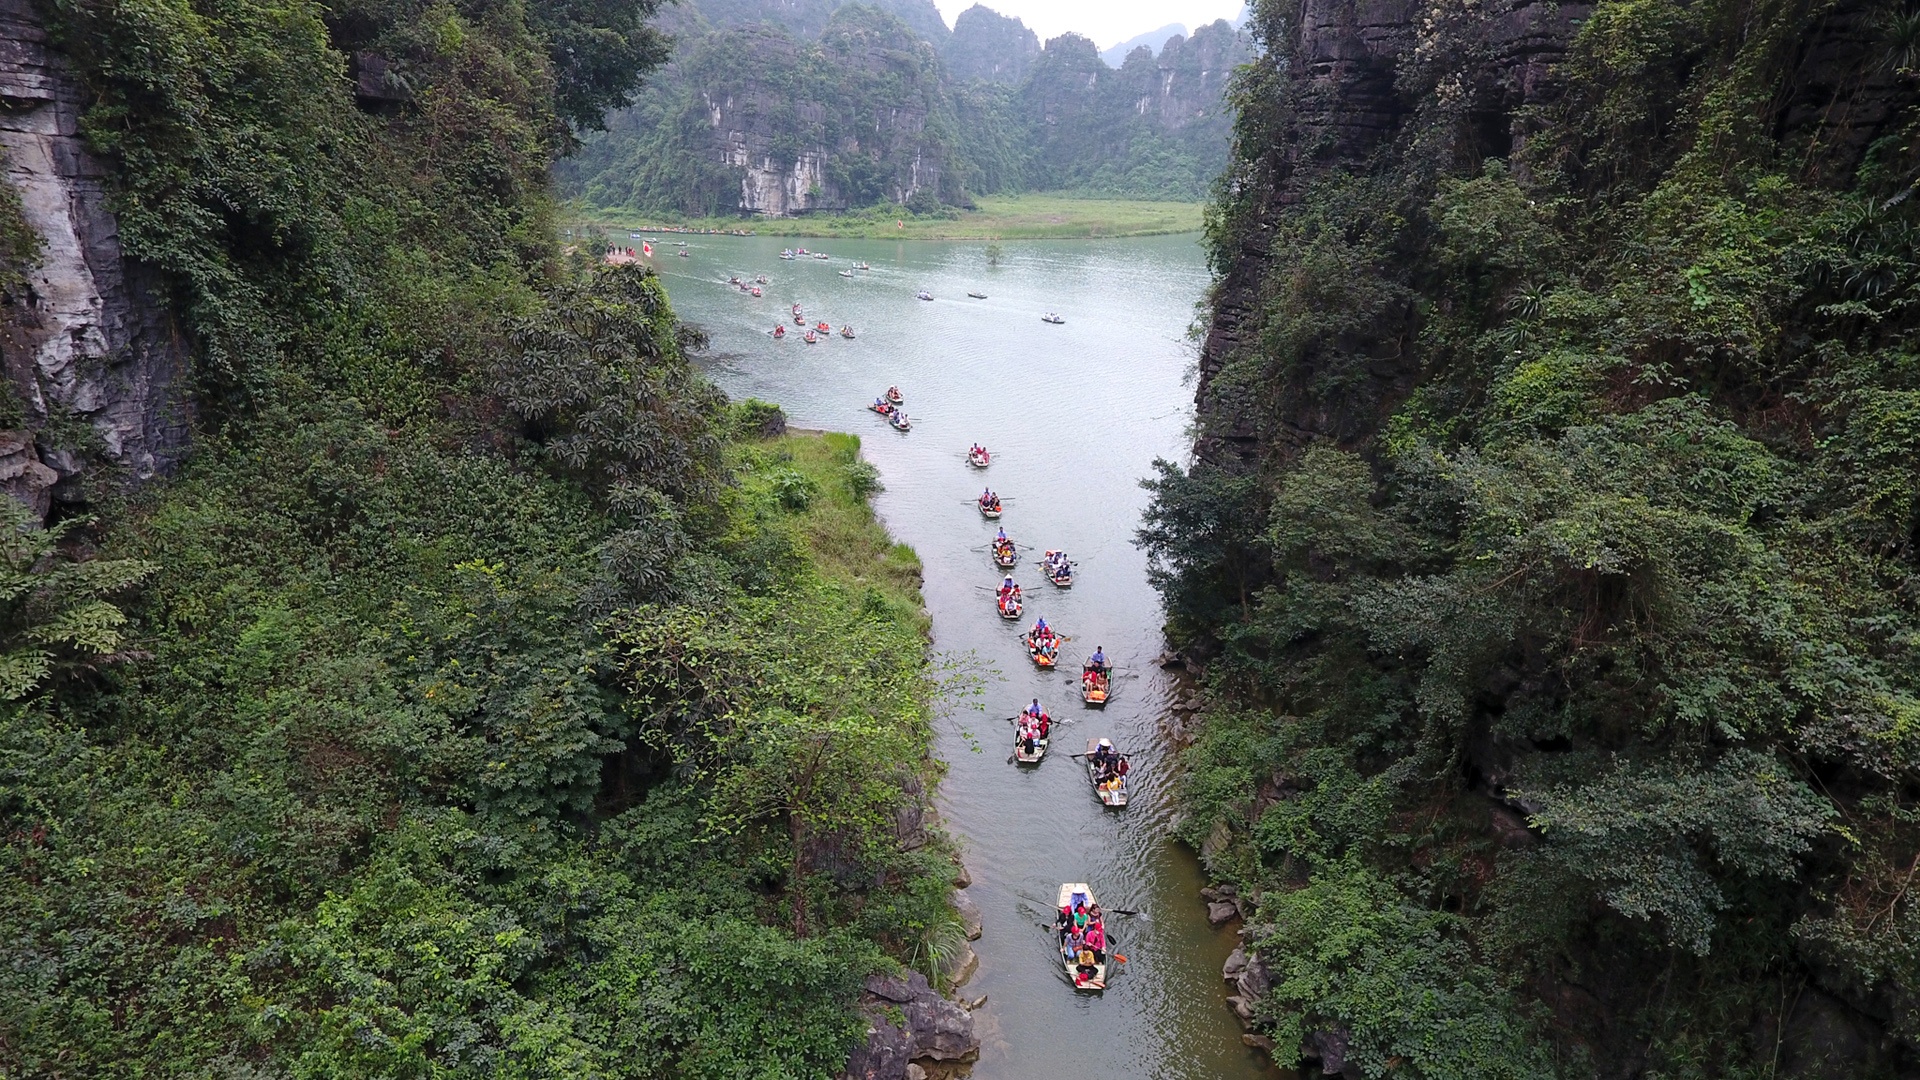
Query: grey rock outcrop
column 90, row 336
column 908, row 1022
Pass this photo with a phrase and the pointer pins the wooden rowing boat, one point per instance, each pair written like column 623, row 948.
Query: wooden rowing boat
column 1043, row 655
column 1114, row 792
column 1020, row 753
column 1009, row 605
column 1073, row 892
column 979, row 459
column 990, row 511
column 1095, row 684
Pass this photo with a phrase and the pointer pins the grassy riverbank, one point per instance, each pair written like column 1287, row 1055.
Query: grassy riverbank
column 1040, row 216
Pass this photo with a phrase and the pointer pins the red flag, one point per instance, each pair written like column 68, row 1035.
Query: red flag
column 646, row 249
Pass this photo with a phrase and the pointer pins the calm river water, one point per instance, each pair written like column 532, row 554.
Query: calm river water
column 1074, row 415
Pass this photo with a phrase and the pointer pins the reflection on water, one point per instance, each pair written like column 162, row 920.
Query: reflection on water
column 1074, row 414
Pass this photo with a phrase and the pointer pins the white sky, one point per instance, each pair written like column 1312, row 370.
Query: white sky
column 1107, row 22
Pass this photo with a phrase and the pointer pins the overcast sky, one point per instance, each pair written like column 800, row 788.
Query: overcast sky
column 1107, row 22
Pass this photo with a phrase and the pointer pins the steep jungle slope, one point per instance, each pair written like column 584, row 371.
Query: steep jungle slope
column 481, row 694
column 1552, row 538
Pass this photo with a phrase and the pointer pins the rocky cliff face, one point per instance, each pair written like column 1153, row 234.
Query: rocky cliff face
column 87, row 336
column 989, row 46
column 1342, row 61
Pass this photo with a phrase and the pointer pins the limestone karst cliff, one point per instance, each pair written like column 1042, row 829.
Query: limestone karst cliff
column 759, row 119
column 1549, row 537
column 84, row 334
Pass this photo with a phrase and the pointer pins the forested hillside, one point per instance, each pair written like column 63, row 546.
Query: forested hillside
column 1553, row 535
column 771, row 115
column 481, row 694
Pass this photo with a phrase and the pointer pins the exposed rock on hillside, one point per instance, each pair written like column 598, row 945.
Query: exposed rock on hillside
column 909, row 1022
column 989, row 46
column 85, row 335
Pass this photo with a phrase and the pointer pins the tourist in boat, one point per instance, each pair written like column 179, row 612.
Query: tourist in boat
column 1096, row 940
column 779, row 331
column 1103, row 755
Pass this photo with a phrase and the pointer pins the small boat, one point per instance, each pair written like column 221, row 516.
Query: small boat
column 1004, row 555
column 684, row 253
column 978, row 295
column 989, row 508
column 924, row 295
column 788, row 255
column 1059, row 568
column 779, row 331
column 761, row 280
column 846, row 273
column 847, row 332
column 1113, row 789
column 1009, row 603
column 823, row 327
column 1044, row 652
column 979, row 458
column 1050, row 317
column 733, row 280
column 795, row 309
column 756, row 290
column 882, row 408
column 893, row 395
column 799, row 320
column 799, row 251
column 861, row 266
column 899, row 420
column 1072, row 895
column 1020, row 752
column 811, row 337
column 820, row 255
column 1096, row 682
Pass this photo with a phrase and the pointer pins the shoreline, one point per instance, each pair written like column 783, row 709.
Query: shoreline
column 1018, row 217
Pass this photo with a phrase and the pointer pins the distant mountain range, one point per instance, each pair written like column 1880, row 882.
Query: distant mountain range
column 1151, row 41
column 785, row 107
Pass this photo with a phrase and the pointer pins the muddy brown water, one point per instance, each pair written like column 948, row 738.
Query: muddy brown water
column 1074, row 415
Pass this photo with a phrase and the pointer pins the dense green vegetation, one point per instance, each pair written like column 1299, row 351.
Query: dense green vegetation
column 485, row 697
column 876, row 102
column 1553, row 542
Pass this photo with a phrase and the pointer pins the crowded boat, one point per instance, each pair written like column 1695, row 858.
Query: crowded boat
column 1004, row 554
column 1058, row 568
column 989, row 504
column 978, row 457
column 1007, row 598
column 1082, row 931
column 894, row 396
column 847, row 332
column 1031, row 729
column 899, row 420
column 1050, row 317
column 1107, row 771
column 1043, row 645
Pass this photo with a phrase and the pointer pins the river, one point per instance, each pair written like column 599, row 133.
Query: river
column 1075, row 415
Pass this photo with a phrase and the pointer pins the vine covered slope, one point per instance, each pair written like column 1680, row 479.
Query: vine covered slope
column 1552, row 537
column 481, row 694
